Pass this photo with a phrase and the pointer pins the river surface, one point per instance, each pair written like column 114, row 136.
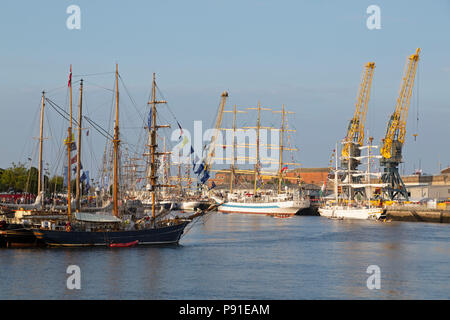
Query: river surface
column 233, row 256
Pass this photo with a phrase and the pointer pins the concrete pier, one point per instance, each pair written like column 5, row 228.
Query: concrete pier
column 421, row 214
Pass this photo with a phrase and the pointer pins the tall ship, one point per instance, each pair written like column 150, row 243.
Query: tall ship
column 278, row 201
column 113, row 228
column 346, row 205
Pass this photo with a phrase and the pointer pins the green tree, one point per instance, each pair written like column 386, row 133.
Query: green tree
column 19, row 178
column 2, row 186
column 15, row 177
column 31, row 184
column 56, row 184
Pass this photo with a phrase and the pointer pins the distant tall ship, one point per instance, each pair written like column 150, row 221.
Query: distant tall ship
column 344, row 206
column 278, row 202
column 265, row 204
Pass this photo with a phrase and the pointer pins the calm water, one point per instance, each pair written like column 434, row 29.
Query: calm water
column 247, row 257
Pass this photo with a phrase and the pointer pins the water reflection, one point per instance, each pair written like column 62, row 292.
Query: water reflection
column 233, row 256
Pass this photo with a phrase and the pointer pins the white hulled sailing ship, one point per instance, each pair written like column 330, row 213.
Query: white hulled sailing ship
column 344, row 206
column 280, row 203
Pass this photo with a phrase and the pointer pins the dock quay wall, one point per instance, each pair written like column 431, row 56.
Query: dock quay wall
column 402, row 213
column 420, row 214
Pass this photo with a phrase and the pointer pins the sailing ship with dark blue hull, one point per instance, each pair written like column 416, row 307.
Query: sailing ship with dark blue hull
column 169, row 234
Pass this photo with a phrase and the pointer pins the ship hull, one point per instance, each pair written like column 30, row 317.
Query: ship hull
column 267, row 208
column 16, row 236
column 160, row 235
column 351, row 213
column 189, row 205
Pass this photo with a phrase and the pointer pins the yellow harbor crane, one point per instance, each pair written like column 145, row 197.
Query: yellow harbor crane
column 355, row 130
column 391, row 150
column 211, row 147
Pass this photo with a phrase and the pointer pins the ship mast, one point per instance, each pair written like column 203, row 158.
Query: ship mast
column 166, row 166
column 257, row 150
column 78, row 194
column 165, row 163
column 116, row 145
column 69, row 145
column 368, row 168
column 153, row 145
column 41, row 142
column 281, row 150
column 257, row 168
column 336, row 188
column 179, row 172
column 350, row 188
column 232, row 169
column 189, row 180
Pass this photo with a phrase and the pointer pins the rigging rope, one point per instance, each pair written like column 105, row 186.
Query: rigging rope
column 32, row 129
column 92, row 74
column 99, row 129
column 61, row 111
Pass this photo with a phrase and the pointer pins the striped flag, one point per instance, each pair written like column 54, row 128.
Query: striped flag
column 70, row 77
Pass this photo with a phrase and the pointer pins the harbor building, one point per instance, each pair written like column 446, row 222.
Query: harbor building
column 422, row 187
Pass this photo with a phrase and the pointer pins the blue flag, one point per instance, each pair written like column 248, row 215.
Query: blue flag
column 65, row 176
column 150, row 120
column 86, row 173
column 199, row 169
column 74, row 169
column 205, row 177
column 194, row 163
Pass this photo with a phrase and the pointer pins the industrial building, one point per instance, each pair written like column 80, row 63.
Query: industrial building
column 423, row 187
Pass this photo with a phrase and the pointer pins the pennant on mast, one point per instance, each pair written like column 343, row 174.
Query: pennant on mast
column 70, row 77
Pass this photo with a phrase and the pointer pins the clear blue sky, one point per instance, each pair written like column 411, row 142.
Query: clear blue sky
column 307, row 55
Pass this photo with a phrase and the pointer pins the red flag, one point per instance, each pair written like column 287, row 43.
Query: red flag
column 73, row 160
column 70, row 77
